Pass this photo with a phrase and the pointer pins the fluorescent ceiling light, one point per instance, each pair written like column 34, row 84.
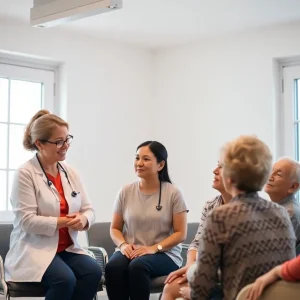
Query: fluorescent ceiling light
column 48, row 13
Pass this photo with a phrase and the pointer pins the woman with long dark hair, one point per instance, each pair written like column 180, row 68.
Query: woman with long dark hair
column 148, row 225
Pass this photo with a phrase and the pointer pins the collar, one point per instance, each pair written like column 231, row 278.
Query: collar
column 246, row 195
column 289, row 198
column 220, row 200
column 36, row 165
column 38, row 170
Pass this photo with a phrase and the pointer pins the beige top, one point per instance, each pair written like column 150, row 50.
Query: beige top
column 143, row 223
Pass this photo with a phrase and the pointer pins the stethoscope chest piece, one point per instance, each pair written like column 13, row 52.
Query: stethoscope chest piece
column 74, row 194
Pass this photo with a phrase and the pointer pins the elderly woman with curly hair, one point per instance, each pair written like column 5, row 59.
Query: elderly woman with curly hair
column 248, row 236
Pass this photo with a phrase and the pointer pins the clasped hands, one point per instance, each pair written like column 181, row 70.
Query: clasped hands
column 132, row 251
column 77, row 221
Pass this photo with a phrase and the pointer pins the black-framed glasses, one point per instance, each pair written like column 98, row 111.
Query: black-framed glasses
column 220, row 165
column 59, row 144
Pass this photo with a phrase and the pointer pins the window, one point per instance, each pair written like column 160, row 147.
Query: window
column 297, row 118
column 290, row 112
column 23, row 91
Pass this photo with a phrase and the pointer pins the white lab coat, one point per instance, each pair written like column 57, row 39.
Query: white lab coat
column 36, row 206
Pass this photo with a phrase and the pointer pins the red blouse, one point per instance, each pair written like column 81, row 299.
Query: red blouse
column 65, row 240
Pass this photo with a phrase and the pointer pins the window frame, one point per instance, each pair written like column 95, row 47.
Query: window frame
column 283, row 134
column 286, row 108
column 289, row 118
column 28, row 71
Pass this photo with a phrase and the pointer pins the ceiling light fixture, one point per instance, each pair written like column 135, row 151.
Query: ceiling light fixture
column 48, row 13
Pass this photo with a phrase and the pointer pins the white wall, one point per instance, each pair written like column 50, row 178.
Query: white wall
column 211, row 92
column 107, row 86
column 192, row 98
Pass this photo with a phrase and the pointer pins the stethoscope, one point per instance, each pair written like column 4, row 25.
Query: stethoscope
column 158, row 206
column 49, row 182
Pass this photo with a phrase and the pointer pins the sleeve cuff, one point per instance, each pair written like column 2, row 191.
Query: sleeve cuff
column 192, row 248
column 52, row 226
column 90, row 220
column 285, row 272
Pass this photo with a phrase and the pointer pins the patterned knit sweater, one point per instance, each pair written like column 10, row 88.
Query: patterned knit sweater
column 208, row 207
column 245, row 238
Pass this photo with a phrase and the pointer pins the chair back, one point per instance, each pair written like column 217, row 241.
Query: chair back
column 191, row 232
column 98, row 236
column 5, row 231
column 184, row 251
column 276, row 291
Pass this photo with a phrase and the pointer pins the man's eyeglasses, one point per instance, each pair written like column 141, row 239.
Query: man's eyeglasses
column 59, row 144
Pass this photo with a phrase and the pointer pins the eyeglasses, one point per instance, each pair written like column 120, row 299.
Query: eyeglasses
column 59, row 144
column 220, row 165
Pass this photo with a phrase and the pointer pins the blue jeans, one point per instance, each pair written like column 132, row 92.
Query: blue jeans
column 72, row 276
column 131, row 278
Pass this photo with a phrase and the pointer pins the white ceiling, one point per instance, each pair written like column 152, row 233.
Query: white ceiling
column 161, row 23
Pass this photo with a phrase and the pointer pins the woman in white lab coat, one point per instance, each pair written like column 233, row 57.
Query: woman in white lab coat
column 50, row 207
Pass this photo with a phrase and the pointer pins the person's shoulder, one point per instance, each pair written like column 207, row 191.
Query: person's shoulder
column 292, row 205
column 172, row 189
column 71, row 170
column 259, row 204
column 264, row 204
column 130, row 187
column 296, row 208
column 27, row 167
column 213, row 203
column 170, row 186
column 275, row 210
column 223, row 208
column 226, row 209
column 25, row 172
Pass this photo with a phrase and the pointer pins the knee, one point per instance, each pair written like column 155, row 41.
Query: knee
column 113, row 268
column 167, row 289
column 66, row 280
column 171, row 289
column 136, row 267
column 95, row 271
column 110, row 267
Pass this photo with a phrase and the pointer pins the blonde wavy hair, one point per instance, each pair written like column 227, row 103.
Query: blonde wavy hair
column 41, row 127
column 248, row 162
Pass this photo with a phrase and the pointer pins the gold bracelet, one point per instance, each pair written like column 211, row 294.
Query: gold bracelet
column 122, row 244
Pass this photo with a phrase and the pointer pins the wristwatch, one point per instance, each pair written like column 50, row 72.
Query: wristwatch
column 159, row 248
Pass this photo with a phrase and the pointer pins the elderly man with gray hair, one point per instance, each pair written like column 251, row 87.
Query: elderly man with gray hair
column 282, row 187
